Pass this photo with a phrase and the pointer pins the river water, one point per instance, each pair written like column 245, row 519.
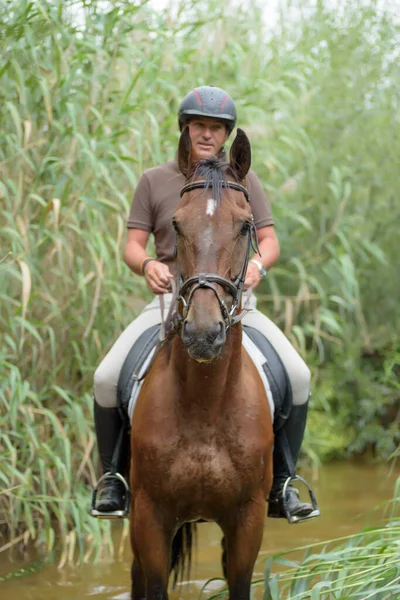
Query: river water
column 347, row 493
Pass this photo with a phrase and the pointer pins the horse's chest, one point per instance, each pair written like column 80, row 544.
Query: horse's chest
column 209, row 472
column 196, row 465
column 202, row 461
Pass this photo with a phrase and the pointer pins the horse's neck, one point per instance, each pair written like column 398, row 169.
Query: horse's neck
column 205, row 386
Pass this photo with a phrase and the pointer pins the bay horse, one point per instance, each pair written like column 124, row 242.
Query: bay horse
column 201, row 437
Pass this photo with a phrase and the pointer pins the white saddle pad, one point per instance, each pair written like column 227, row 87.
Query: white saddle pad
column 256, row 356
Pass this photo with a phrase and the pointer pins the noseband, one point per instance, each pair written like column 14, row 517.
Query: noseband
column 208, row 280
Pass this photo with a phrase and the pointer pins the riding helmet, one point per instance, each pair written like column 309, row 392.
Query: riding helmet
column 208, row 101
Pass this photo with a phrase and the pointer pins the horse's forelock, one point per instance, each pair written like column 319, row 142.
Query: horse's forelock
column 214, row 172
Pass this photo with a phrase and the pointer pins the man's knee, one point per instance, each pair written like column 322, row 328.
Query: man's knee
column 105, row 390
column 301, row 383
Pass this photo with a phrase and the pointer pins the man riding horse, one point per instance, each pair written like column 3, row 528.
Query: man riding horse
column 209, row 114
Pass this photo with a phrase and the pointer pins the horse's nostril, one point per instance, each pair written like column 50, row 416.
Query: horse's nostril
column 214, row 333
column 188, row 331
column 217, row 329
column 220, row 336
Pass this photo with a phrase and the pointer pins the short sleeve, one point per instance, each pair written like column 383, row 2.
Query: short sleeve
column 140, row 216
column 259, row 202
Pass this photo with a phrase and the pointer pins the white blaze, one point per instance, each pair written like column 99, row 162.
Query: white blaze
column 208, row 237
column 211, row 205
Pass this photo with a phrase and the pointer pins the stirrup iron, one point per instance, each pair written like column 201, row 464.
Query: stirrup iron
column 114, row 514
column 295, row 518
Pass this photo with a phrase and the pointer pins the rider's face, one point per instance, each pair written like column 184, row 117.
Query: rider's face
column 207, row 136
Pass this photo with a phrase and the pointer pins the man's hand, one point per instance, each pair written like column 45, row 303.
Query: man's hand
column 252, row 276
column 157, row 277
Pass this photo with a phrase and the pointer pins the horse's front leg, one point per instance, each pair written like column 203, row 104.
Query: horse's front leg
column 243, row 536
column 151, row 545
column 138, row 581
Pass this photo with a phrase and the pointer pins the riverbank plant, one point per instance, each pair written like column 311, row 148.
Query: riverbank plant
column 89, row 94
column 361, row 566
column 358, row 567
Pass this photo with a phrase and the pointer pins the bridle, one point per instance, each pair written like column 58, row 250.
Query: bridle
column 208, row 280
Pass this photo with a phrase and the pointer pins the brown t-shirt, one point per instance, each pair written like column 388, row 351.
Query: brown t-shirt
column 156, row 198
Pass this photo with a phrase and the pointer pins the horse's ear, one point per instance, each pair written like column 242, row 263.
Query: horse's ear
column 184, row 151
column 240, row 155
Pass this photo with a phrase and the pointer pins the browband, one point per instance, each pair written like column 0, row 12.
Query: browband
column 197, row 185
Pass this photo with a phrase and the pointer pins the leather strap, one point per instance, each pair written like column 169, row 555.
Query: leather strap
column 200, row 185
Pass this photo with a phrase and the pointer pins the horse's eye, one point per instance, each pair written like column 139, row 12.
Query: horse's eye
column 245, row 228
column 175, row 226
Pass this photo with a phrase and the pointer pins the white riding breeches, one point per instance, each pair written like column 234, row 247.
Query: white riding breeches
column 107, row 374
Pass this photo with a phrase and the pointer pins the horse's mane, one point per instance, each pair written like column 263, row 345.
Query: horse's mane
column 214, row 171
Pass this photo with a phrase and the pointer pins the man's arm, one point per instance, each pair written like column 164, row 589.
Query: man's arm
column 135, row 249
column 156, row 274
column 269, row 246
column 269, row 249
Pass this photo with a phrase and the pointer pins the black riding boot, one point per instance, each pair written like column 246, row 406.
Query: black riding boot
column 110, row 502
column 288, row 442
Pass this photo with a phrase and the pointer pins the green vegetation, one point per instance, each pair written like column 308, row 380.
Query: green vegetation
column 361, row 566
column 365, row 565
column 89, row 93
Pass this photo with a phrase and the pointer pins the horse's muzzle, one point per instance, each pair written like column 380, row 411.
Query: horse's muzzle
column 203, row 344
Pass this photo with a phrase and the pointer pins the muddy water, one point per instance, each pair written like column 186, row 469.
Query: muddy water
column 347, row 494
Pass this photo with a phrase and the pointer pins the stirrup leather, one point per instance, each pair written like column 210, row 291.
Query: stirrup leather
column 295, row 518
column 114, row 514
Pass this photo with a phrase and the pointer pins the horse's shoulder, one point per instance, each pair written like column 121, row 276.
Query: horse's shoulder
column 249, row 369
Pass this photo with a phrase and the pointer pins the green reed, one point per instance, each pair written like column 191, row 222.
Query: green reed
column 89, row 94
column 361, row 566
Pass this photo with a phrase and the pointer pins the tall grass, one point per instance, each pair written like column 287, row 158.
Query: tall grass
column 361, row 566
column 89, row 94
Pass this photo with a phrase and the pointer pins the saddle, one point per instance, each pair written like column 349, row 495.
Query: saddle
column 261, row 351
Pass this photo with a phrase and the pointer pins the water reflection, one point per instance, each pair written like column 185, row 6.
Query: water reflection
column 347, row 494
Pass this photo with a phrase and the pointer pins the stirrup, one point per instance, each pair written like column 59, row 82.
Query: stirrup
column 295, row 518
column 113, row 514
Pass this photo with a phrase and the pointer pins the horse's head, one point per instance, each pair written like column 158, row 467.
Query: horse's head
column 214, row 225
